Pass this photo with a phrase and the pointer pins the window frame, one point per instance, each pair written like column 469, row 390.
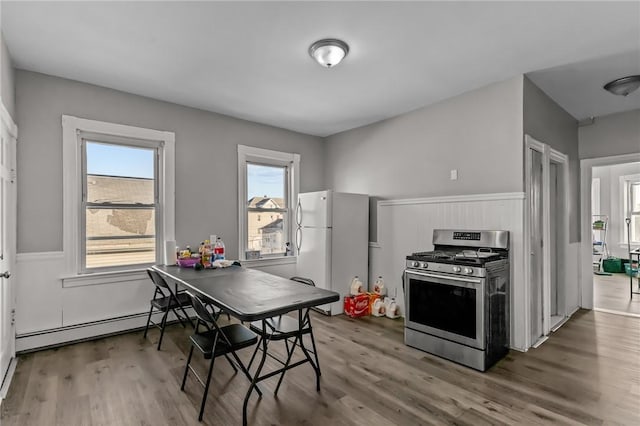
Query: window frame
column 266, row 157
column 75, row 131
column 628, row 182
column 156, row 147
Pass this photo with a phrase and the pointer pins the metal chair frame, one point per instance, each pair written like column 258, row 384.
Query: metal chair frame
column 173, row 302
column 209, row 321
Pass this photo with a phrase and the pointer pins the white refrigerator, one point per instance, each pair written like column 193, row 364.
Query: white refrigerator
column 332, row 241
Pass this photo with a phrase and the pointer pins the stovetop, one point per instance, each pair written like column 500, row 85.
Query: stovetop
column 470, row 257
column 461, row 252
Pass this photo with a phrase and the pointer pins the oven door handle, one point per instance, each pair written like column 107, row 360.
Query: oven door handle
column 446, row 277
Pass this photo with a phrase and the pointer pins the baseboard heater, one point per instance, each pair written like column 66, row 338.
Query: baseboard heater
column 60, row 336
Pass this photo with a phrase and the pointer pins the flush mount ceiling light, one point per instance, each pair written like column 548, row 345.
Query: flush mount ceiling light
column 623, row 86
column 328, row 52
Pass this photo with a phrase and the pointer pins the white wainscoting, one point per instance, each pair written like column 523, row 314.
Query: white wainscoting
column 52, row 309
column 406, row 226
column 39, row 291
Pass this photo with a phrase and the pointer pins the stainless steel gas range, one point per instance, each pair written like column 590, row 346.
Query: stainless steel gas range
column 457, row 297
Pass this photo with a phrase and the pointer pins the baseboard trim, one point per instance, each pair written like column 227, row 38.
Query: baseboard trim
column 613, row 312
column 61, row 336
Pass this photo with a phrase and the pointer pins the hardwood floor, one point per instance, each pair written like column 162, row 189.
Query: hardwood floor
column 588, row 372
column 611, row 292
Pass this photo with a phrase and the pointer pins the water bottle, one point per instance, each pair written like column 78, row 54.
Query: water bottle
column 218, row 249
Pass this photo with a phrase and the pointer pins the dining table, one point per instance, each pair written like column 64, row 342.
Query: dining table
column 252, row 295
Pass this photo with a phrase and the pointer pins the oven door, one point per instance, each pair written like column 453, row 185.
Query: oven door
column 451, row 307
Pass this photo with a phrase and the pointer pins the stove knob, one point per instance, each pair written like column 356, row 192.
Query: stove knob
column 456, row 269
column 424, row 264
column 415, row 264
column 468, row 271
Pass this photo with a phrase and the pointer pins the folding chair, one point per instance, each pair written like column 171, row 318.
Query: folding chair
column 285, row 328
column 165, row 300
column 214, row 342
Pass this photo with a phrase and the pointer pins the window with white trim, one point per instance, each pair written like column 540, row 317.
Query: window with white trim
column 119, row 209
column 118, row 195
column 267, row 190
column 632, row 206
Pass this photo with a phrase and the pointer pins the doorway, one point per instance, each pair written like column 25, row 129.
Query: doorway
column 8, row 214
column 547, row 237
column 615, row 196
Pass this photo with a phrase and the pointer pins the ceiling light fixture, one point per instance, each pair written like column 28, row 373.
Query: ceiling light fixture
column 328, row 52
column 623, row 86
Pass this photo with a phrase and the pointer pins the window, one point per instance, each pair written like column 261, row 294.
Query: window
column 267, row 192
column 118, row 195
column 632, row 206
column 119, row 204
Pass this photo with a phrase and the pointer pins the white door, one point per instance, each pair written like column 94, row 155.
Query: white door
column 547, row 236
column 314, row 209
column 8, row 215
column 314, row 259
column 536, row 238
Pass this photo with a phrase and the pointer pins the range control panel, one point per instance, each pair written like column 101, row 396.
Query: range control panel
column 466, row 236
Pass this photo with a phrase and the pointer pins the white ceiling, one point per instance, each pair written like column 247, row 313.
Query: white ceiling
column 249, row 59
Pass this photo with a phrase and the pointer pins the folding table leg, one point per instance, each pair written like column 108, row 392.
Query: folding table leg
column 256, row 376
column 316, row 368
column 315, row 350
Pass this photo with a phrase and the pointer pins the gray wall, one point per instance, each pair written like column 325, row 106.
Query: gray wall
column 206, row 157
column 614, row 134
column 7, row 78
column 479, row 133
column 548, row 122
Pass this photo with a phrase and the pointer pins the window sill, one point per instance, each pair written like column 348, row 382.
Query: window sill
column 99, row 278
column 273, row 261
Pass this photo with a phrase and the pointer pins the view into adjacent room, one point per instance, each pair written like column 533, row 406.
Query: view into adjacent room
column 615, row 198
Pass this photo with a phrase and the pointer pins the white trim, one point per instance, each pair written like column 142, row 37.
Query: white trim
column 540, row 341
column 563, row 237
column 6, row 380
column 585, row 289
column 8, row 121
column 72, row 161
column 39, row 256
column 286, row 159
column 104, row 278
column 455, row 199
column 273, row 261
column 614, row 312
column 374, row 244
column 595, row 196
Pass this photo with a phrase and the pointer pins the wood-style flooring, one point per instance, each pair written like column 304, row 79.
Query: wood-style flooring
column 588, row 372
column 611, row 292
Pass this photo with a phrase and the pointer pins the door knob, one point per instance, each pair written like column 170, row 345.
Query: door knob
column 5, row 274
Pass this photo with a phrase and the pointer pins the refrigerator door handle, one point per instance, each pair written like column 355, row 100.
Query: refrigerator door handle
column 298, row 239
column 299, row 214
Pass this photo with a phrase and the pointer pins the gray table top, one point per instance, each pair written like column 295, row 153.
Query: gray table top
column 248, row 294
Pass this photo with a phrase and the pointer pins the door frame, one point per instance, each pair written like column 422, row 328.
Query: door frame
column 7, row 122
column 549, row 155
column 585, row 289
